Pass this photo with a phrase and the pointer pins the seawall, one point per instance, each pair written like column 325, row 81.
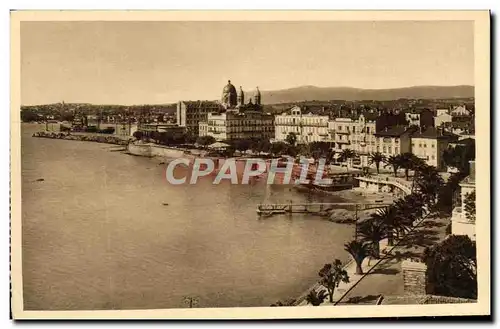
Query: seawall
column 107, row 139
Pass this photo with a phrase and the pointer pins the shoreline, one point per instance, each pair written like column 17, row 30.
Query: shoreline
column 104, row 139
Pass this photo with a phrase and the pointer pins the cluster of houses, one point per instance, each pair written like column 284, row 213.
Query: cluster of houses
column 420, row 132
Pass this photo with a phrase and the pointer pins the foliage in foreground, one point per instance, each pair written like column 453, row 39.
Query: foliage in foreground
column 451, row 267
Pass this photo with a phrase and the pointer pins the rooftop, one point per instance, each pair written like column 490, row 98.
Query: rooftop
column 394, row 131
column 434, row 133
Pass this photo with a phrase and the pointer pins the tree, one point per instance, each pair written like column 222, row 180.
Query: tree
column 459, row 156
column 316, row 298
column 429, row 183
column 331, row 276
column 376, row 158
column 291, row 138
column 388, row 216
column 394, row 162
column 451, row 267
column 29, row 115
column 372, row 231
column 359, row 251
column 205, row 140
column 470, row 206
column 346, row 155
column 409, row 161
column 448, row 193
column 319, row 149
column 138, row 135
column 278, row 148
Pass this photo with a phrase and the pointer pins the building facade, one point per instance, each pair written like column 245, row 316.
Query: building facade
column 233, row 125
column 148, row 128
column 393, row 141
column 460, row 110
column 190, row 113
column 440, row 119
column 307, row 127
column 461, row 224
column 429, row 145
column 354, row 134
column 420, row 117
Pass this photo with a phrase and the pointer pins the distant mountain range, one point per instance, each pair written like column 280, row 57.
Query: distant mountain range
column 310, row 93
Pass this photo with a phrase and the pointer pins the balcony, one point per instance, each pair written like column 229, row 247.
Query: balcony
column 343, row 132
column 342, row 142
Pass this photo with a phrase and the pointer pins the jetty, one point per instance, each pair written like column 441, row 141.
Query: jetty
column 321, row 209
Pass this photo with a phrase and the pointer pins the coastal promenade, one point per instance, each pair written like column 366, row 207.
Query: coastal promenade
column 369, row 266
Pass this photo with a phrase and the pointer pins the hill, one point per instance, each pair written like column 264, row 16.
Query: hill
column 310, row 93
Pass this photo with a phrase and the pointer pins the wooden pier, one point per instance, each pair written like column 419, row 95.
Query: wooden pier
column 322, row 209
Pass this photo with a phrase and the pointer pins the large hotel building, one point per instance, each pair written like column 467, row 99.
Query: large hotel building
column 230, row 118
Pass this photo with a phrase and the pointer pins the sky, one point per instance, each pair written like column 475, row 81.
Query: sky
column 164, row 62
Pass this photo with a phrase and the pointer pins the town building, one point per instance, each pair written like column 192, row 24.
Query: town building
column 420, row 117
column 231, row 125
column 441, row 111
column 461, row 224
column 430, row 144
column 440, row 119
column 190, row 113
column 460, row 110
column 307, row 127
column 235, row 119
column 393, row 141
column 148, row 128
column 357, row 135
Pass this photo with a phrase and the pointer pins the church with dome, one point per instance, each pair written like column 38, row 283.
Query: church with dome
column 228, row 118
column 235, row 100
column 238, row 119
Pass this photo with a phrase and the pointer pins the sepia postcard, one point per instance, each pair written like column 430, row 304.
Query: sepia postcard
column 250, row 164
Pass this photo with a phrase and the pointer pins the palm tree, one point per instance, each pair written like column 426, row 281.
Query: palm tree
column 376, row 158
column 405, row 214
column 389, row 219
column 316, row 298
column 372, row 231
column 393, row 161
column 347, row 155
column 429, row 182
column 359, row 251
column 332, row 275
column 410, row 161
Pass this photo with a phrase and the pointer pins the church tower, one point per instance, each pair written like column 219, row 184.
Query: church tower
column 257, row 96
column 241, row 97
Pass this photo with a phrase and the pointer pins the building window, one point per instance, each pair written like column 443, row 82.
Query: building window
column 432, row 145
column 433, row 157
column 384, row 149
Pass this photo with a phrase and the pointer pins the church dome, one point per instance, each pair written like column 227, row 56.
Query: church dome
column 229, row 88
column 229, row 95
